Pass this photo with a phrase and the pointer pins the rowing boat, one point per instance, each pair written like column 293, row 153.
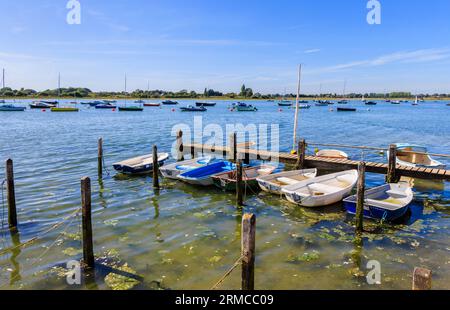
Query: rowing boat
column 172, row 171
column 274, row 183
column 322, row 191
column 332, row 154
column 139, row 165
column 388, row 202
column 227, row 180
column 340, row 109
column 203, row 176
column 412, row 155
column 169, row 102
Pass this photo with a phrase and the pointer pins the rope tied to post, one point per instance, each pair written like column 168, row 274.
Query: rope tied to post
column 229, row 271
column 43, row 234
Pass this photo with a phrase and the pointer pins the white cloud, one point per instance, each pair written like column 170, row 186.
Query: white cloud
column 423, row 55
column 312, row 51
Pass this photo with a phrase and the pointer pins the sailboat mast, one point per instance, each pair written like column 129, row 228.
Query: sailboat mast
column 59, row 84
column 297, row 107
column 3, row 78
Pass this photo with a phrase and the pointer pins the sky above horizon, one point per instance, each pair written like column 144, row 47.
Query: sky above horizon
column 179, row 44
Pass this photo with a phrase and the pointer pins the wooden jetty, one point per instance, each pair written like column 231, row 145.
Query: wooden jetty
column 301, row 160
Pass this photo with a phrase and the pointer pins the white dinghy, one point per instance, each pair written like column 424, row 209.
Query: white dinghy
column 322, row 191
column 274, row 183
column 172, row 171
column 332, row 154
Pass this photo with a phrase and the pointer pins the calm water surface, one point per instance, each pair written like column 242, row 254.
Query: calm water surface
column 183, row 237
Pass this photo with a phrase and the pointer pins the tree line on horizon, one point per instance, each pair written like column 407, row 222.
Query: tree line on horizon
column 79, row 92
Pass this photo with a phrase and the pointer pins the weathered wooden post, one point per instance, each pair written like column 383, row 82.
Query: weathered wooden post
column 392, row 165
column 180, row 146
column 359, row 215
column 239, row 189
column 233, row 147
column 11, row 195
column 421, row 279
column 248, row 251
column 100, row 157
column 155, row 167
column 88, row 247
column 301, row 154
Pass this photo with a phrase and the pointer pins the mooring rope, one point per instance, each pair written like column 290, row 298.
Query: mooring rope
column 104, row 167
column 43, row 234
column 48, row 248
column 229, row 271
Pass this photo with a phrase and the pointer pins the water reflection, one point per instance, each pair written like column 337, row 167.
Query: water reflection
column 15, row 274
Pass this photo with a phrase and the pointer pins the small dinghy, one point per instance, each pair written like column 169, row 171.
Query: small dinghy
column 346, row 109
column 203, row 175
column 191, row 108
column 63, row 109
column 243, row 107
column 139, row 165
column 322, row 191
column 105, row 106
column 388, row 202
column 332, row 154
column 284, row 104
column 169, row 102
column 371, row 103
column 131, row 109
column 40, row 105
column 11, row 108
column 412, row 155
column 172, row 171
column 304, row 106
column 152, row 104
column 205, row 104
column 227, row 180
column 274, row 183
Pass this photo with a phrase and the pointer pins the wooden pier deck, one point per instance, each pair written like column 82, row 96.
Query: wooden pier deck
column 322, row 163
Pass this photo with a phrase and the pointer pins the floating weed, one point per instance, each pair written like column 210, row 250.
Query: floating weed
column 111, row 222
column 215, row 259
column 75, row 236
column 124, row 238
column 305, row 257
column 72, row 251
column 121, row 282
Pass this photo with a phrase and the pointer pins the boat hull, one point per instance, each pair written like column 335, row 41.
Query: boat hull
column 270, row 184
column 143, row 165
column 203, row 176
column 378, row 213
column 64, row 110
column 172, row 171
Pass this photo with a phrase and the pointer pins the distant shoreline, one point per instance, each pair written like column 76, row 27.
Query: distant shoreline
column 214, row 98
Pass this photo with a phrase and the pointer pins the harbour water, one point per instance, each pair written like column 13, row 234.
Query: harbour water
column 185, row 237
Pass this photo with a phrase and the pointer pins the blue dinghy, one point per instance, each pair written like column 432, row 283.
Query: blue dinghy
column 388, row 202
column 203, row 176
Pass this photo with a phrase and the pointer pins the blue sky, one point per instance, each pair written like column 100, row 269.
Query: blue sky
column 193, row 44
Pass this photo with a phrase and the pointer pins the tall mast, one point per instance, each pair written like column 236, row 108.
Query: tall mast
column 297, row 107
column 59, row 84
column 3, row 79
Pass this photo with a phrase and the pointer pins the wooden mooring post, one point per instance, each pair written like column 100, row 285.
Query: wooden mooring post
column 86, row 209
column 233, row 148
column 301, row 155
column 421, row 279
column 11, row 195
column 155, row 167
column 361, row 187
column 239, row 189
column 180, row 146
column 100, row 157
column 248, row 251
column 392, row 165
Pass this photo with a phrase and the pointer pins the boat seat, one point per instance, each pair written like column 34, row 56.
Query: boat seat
column 345, row 178
column 396, row 194
column 287, row 181
column 323, row 188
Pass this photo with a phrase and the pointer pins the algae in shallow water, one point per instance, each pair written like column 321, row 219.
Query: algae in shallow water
column 72, row 251
column 119, row 282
